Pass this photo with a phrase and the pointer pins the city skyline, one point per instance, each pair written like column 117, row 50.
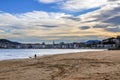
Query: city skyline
column 59, row 20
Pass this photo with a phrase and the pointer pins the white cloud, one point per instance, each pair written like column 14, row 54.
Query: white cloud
column 77, row 5
column 48, row 1
column 34, row 24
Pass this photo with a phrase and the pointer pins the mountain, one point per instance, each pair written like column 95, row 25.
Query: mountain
column 92, row 41
column 5, row 41
column 6, row 44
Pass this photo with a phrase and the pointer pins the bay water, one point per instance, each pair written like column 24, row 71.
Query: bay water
column 6, row 54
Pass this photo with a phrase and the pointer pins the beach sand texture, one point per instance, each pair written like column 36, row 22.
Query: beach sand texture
column 101, row 65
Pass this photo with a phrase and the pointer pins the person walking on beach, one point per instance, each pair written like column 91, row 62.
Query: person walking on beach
column 35, row 56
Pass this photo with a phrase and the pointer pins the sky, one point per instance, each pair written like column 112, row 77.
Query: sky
column 36, row 21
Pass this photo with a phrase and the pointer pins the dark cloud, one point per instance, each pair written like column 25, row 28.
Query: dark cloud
column 106, row 14
column 114, row 20
column 17, row 33
column 84, row 27
column 48, row 26
column 115, row 29
column 101, row 26
column 72, row 18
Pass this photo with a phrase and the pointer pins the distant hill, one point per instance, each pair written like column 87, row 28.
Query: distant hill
column 6, row 44
column 5, row 41
column 92, row 41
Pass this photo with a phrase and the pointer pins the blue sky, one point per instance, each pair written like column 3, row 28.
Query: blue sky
column 23, row 6
column 58, row 20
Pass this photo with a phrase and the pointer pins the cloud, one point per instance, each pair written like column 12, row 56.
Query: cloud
column 106, row 16
column 72, row 18
column 34, row 24
column 48, row 1
column 115, row 20
column 41, row 25
column 84, row 27
column 48, row 26
column 77, row 5
column 113, row 29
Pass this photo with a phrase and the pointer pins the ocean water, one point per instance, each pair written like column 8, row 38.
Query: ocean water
column 6, row 54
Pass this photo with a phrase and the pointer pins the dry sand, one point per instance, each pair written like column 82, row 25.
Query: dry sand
column 104, row 65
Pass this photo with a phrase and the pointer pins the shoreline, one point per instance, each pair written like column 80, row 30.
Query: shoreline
column 100, row 65
column 82, row 50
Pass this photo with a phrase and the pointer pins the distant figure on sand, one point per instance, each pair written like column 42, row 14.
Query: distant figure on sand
column 35, row 56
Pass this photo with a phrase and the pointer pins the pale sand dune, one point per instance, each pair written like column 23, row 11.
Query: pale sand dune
column 104, row 65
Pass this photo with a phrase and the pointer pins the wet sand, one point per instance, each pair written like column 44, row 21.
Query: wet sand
column 101, row 65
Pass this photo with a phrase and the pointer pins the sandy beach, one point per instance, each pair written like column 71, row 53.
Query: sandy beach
column 101, row 65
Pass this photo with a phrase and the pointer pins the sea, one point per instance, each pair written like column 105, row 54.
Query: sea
column 7, row 54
